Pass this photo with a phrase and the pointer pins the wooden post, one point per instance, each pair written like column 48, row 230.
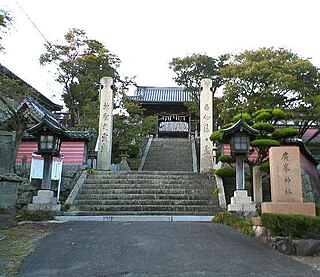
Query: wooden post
column 47, row 170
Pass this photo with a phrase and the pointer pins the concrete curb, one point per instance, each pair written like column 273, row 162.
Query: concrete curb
column 77, row 187
column 194, row 156
column 137, row 218
column 145, row 154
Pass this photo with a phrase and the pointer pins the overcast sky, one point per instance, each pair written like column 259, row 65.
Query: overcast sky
column 147, row 34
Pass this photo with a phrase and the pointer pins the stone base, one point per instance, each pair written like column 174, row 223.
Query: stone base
column 241, row 202
column 289, row 208
column 44, row 201
column 44, row 207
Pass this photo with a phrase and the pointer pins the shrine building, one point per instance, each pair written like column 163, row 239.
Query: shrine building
column 167, row 104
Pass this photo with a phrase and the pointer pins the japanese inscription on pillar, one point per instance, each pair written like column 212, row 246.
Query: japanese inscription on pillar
column 285, row 174
column 104, row 143
column 206, row 125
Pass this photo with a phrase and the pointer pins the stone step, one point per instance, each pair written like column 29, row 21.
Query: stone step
column 158, row 166
column 142, row 191
column 142, row 202
column 143, row 186
column 168, row 213
column 158, row 208
column 142, row 181
column 104, row 196
column 169, row 155
column 146, row 193
column 152, row 172
column 144, row 174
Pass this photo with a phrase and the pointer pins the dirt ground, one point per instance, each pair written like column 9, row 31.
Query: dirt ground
column 312, row 261
column 17, row 241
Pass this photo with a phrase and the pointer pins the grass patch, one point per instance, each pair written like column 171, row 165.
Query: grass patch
column 35, row 215
column 234, row 221
column 20, row 241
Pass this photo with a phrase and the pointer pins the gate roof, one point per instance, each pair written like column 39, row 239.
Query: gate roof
column 161, row 94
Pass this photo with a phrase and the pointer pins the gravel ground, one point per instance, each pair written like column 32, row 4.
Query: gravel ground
column 312, row 261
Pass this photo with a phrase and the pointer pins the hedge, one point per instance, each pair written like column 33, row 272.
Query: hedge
column 242, row 224
column 293, row 226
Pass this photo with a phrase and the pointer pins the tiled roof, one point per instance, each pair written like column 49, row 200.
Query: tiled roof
column 162, row 94
column 41, row 114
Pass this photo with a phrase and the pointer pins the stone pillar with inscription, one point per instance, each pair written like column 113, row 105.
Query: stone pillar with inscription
column 104, row 142
column 286, row 185
column 206, row 125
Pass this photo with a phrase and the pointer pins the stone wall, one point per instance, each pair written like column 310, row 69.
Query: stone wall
column 310, row 188
column 16, row 195
column 9, row 188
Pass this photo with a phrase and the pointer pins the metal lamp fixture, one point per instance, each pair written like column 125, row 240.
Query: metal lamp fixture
column 49, row 143
column 240, row 143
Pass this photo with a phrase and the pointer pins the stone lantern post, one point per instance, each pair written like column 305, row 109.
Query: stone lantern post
column 239, row 135
column 49, row 134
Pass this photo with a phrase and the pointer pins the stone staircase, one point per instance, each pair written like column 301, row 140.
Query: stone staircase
column 169, row 154
column 146, row 193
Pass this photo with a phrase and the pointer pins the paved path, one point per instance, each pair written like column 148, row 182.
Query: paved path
column 156, row 249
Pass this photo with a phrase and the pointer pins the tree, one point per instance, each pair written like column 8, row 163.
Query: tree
column 5, row 20
column 130, row 126
column 271, row 77
column 80, row 64
column 190, row 70
column 13, row 92
column 265, row 121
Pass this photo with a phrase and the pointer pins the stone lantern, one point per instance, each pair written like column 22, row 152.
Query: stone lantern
column 240, row 135
column 49, row 134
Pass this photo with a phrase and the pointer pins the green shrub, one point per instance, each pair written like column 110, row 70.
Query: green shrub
column 216, row 136
column 91, row 170
column 227, row 126
column 226, row 171
column 227, row 218
column 34, row 215
column 263, row 126
column 278, row 114
column 263, row 115
column 265, row 167
column 247, row 117
column 264, row 143
column 262, row 111
column 284, row 133
column 133, row 151
column 293, row 226
column 65, row 207
column 227, row 159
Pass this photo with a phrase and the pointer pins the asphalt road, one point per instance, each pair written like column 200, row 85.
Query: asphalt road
column 141, row 249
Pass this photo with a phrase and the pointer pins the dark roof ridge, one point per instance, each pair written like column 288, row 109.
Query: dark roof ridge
column 8, row 73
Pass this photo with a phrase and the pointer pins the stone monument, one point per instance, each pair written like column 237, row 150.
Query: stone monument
column 285, row 180
column 7, row 142
column 206, row 126
column 104, row 142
